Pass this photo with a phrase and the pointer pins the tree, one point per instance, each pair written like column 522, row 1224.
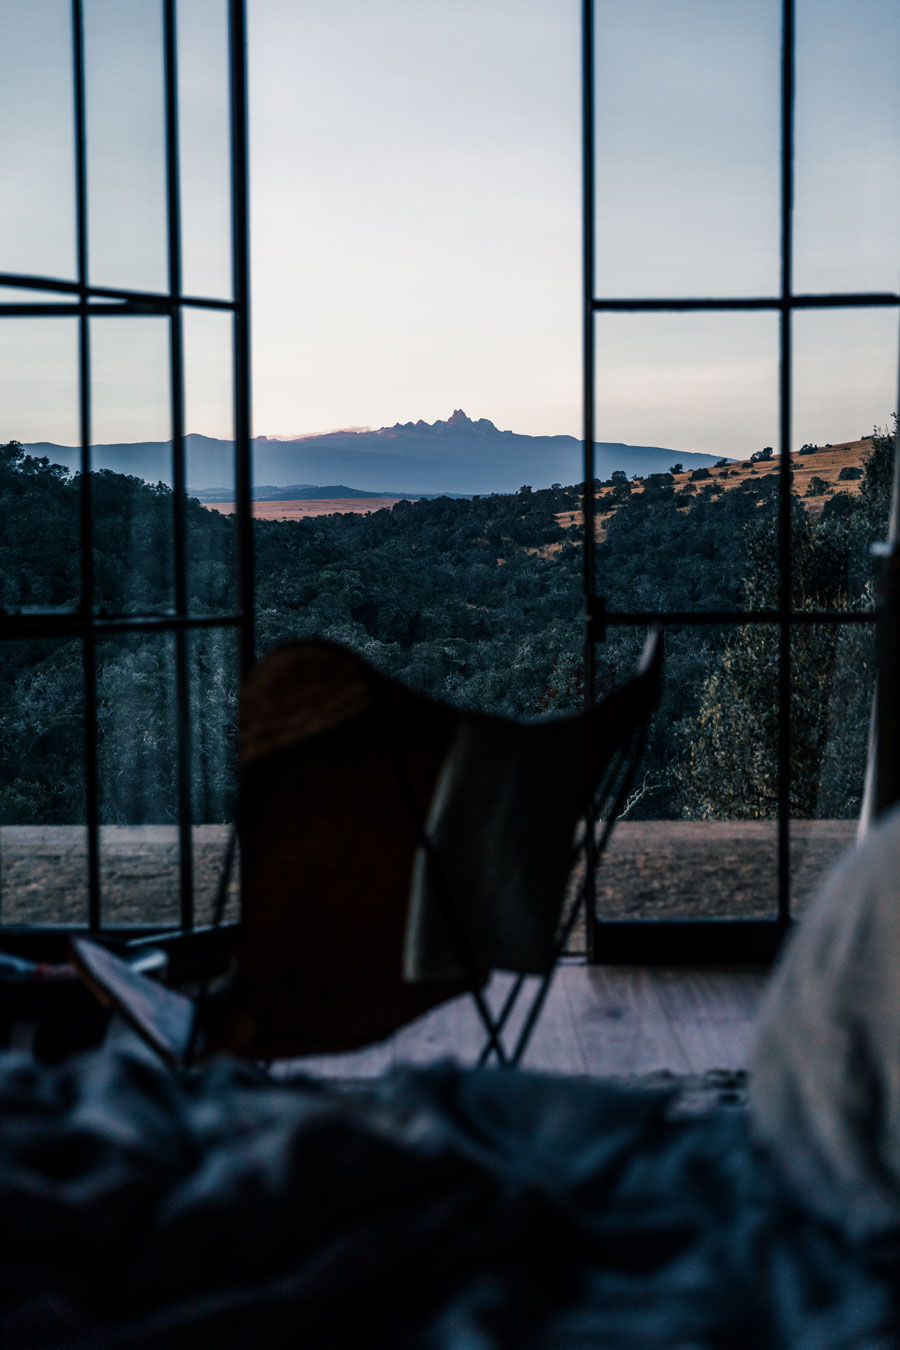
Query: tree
column 817, row 487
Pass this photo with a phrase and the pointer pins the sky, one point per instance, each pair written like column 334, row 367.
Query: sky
column 416, row 214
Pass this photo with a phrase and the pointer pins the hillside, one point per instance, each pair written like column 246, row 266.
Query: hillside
column 825, row 464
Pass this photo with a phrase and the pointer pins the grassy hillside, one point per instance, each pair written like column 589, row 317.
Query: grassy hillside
column 824, row 463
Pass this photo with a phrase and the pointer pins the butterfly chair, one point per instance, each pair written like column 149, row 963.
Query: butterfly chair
column 394, row 851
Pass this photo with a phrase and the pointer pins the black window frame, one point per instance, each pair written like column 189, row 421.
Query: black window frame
column 85, row 623
column 719, row 941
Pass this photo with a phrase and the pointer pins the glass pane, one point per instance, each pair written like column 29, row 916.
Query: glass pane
column 209, row 419
column 37, row 159
column 205, row 135
column 698, row 836
column 671, row 523
column 833, row 675
column 39, row 499
column 416, row 221
column 688, row 136
column 138, row 770
column 213, row 657
column 125, row 109
column 847, row 175
column 43, row 844
column 845, row 373
column 845, row 380
column 132, row 464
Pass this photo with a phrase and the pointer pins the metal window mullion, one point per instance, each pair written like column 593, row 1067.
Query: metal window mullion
column 716, row 304
column 241, row 337
column 785, row 503
column 588, row 411
column 86, row 540
column 179, row 493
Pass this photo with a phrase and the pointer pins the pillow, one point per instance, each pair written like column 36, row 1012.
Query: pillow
column 825, row 1075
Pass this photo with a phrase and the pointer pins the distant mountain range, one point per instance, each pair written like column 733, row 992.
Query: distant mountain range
column 457, row 456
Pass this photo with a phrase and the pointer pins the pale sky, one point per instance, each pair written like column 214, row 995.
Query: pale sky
column 416, row 218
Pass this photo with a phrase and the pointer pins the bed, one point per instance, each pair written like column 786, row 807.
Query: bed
column 445, row 1208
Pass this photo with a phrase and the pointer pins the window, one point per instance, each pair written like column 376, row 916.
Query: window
column 123, row 311
column 688, row 281
column 731, row 296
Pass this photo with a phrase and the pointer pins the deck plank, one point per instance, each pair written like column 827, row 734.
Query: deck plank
column 554, row 1046
column 712, row 1014
column 620, row 1023
column 605, row 1021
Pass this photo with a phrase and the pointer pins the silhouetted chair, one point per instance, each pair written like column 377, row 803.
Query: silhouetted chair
column 394, row 851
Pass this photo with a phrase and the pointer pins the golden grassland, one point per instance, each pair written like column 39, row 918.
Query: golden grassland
column 826, row 463
column 309, row 506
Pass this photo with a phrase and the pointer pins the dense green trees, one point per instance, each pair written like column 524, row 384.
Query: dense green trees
column 727, row 752
column 477, row 601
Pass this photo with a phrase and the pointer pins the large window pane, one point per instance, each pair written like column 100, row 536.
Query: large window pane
column 43, row 843
column 697, row 838
column 415, row 233
column 209, row 459
column 213, row 665
column 845, row 373
column 833, row 682
column 688, row 382
column 39, row 489
column 37, row 140
column 204, row 128
column 138, row 770
column 132, row 464
column 847, row 171
column 687, row 163
column 126, row 144
column 677, row 537
column 846, row 385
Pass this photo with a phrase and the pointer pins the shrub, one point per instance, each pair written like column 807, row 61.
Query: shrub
column 817, row 487
column 760, row 456
column 698, row 474
column 808, row 449
column 850, row 471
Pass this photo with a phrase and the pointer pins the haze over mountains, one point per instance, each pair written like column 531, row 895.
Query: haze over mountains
column 458, row 456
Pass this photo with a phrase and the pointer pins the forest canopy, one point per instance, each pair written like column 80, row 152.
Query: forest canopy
column 473, row 600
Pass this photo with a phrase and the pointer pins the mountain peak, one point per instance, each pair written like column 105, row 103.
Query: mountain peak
column 457, row 422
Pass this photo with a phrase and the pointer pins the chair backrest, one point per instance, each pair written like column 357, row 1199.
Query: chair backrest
column 356, row 794
column 327, row 846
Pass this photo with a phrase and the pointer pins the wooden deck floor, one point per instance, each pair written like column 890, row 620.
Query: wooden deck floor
column 602, row 1021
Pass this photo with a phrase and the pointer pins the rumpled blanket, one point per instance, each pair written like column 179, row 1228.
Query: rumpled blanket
column 437, row 1208
column 825, row 1087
